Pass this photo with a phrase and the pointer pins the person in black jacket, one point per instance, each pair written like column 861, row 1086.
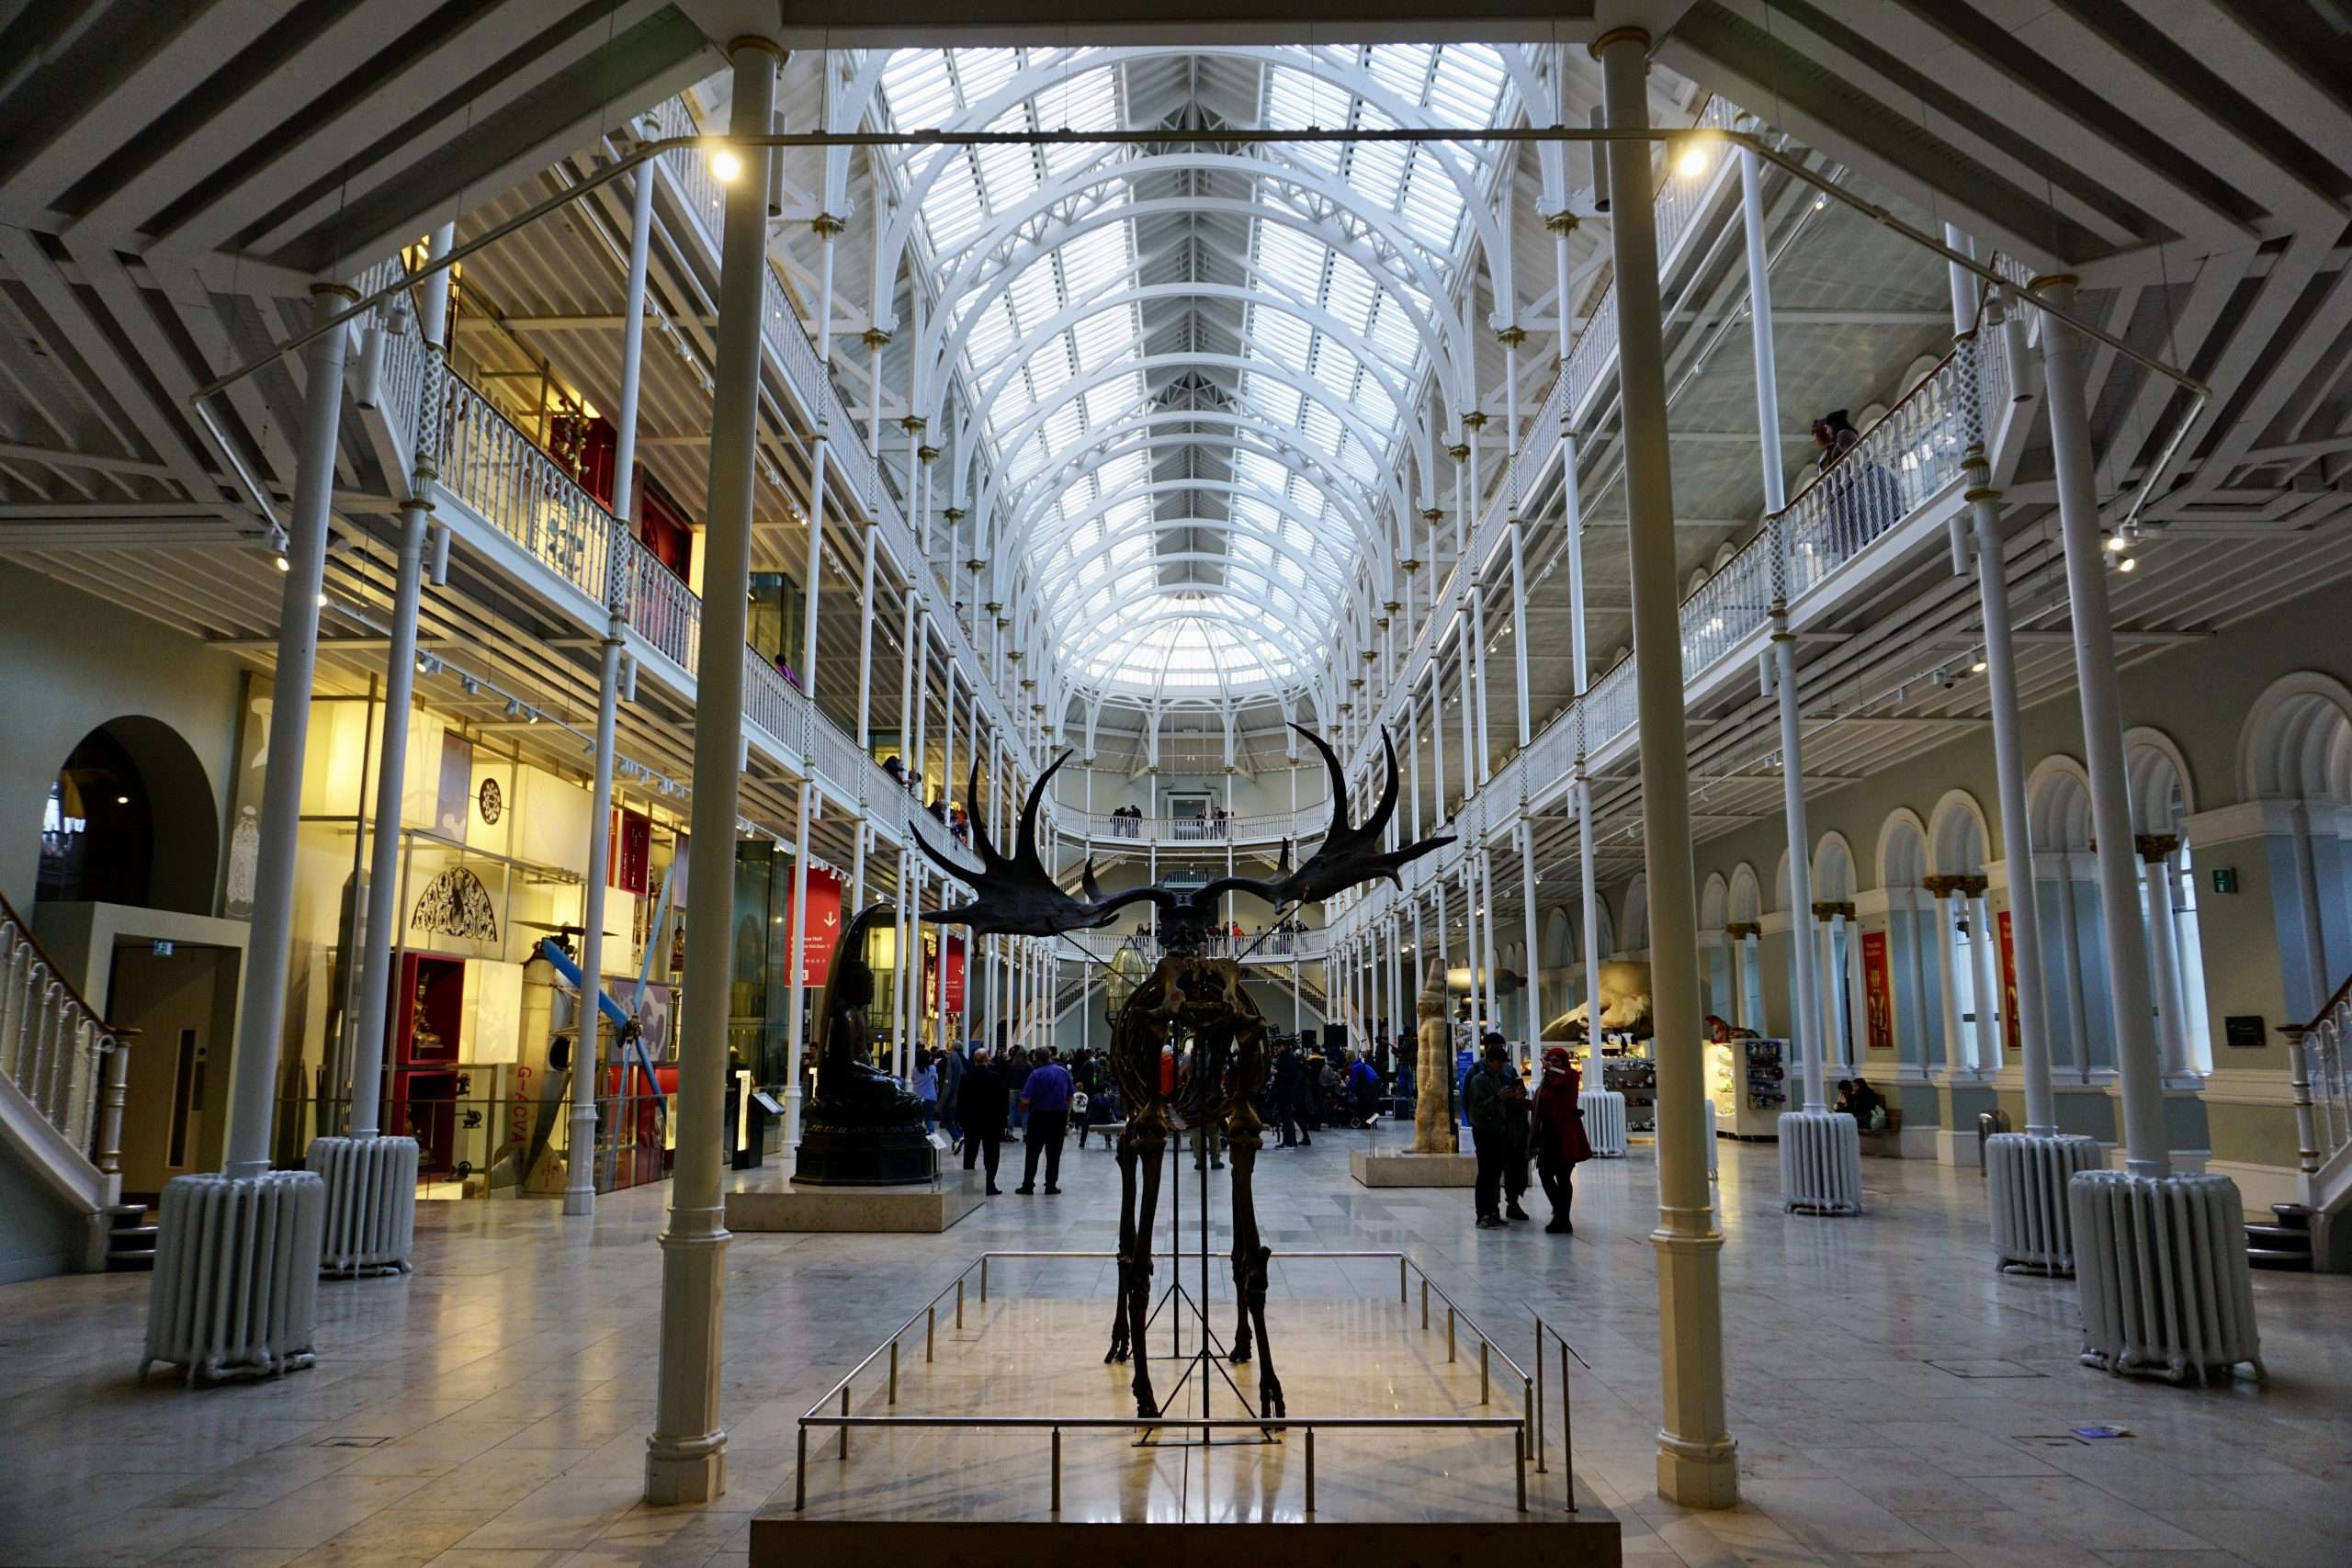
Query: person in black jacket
column 1290, row 1097
column 981, row 1101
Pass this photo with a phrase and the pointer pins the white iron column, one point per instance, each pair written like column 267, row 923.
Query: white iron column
column 1946, row 891
column 640, row 230
column 2127, row 955
column 1780, row 675
column 1696, row 1457
column 1983, row 954
column 2164, row 939
column 580, row 1170
column 1533, row 981
column 685, row 1460
column 1478, row 681
column 379, row 945
column 261, row 1022
column 1519, row 628
column 2009, row 771
column 1484, row 858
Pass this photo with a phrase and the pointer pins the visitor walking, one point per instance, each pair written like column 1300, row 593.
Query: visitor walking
column 1044, row 1102
column 1290, row 1098
column 951, row 1080
column 1560, row 1142
column 1482, row 1102
column 980, row 1111
column 927, row 1091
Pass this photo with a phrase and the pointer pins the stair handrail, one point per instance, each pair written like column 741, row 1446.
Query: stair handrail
column 2316, row 1070
column 59, row 1050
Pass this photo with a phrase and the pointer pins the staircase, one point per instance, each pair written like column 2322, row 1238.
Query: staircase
column 2284, row 1243
column 63, row 1074
column 2316, row 1233
column 130, row 1238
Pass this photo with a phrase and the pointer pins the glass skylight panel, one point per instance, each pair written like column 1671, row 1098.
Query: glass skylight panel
column 1096, row 531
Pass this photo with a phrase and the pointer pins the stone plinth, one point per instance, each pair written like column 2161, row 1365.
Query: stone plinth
column 1405, row 1169
column 764, row 1201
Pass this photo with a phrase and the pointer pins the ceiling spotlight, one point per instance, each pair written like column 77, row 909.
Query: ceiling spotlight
column 323, row 601
column 470, row 686
column 513, row 709
column 1819, row 202
column 122, row 800
column 2114, row 544
column 725, row 166
column 280, row 562
column 1692, row 162
column 2127, row 563
column 531, row 716
column 1978, row 667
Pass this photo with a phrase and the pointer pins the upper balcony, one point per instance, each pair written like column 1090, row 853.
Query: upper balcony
column 1878, row 515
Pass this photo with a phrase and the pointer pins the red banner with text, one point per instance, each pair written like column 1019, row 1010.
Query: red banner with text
column 1878, row 991
column 930, row 974
column 822, row 931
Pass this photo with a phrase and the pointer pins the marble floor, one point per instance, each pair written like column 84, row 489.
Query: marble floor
column 1895, row 1401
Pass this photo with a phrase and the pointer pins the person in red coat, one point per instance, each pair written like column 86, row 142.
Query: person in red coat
column 1559, row 1140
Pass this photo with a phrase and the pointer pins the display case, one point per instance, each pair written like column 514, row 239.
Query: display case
column 1745, row 1078
column 1635, row 1078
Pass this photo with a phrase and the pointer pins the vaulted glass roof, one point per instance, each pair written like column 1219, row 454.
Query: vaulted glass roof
column 1195, row 364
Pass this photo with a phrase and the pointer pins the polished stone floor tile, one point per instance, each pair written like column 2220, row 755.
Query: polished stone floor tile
column 490, row 1411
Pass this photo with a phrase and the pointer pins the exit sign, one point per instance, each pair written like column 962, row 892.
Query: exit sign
column 2225, row 879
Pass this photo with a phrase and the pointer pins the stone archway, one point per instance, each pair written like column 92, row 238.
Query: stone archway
column 132, row 819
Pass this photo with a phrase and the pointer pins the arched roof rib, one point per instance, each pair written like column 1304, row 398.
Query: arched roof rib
column 1115, row 414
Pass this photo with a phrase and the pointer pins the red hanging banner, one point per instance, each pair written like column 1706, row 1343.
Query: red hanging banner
column 2010, row 1032
column 1878, row 991
column 823, row 929
column 930, row 974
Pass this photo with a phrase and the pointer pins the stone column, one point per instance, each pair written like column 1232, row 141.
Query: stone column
column 1697, row 1463
column 685, row 1458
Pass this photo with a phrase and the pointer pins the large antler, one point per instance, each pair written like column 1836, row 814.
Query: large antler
column 1350, row 853
column 1015, row 895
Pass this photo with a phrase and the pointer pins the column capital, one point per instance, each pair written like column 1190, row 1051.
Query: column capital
column 1620, row 35
column 826, row 224
column 1510, row 337
column 1831, row 908
column 2154, row 846
column 1741, row 930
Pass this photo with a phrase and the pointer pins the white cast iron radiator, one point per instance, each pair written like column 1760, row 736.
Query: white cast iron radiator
column 2161, row 1268
column 236, row 1287
column 1821, row 1163
column 2025, row 1181
column 371, row 1202
column 1604, row 1121
column 1712, row 1146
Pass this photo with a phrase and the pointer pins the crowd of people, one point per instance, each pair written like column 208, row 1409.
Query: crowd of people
column 1036, row 1095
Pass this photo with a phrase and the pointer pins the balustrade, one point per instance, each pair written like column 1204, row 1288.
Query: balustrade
column 55, row 1050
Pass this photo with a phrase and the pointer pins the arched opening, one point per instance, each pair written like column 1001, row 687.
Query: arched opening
column 1744, row 907
column 2297, row 746
column 2074, row 955
column 1911, row 915
column 1968, row 932
column 130, row 820
column 1836, row 947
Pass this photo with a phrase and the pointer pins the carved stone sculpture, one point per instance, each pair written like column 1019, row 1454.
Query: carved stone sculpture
column 862, row 1127
column 1433, row 1129
column 1187, row 997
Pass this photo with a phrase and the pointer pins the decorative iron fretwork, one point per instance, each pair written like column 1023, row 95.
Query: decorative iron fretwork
column 456, row 903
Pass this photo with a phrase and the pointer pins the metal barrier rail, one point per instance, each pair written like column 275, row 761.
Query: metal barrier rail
column 1526, row 1428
